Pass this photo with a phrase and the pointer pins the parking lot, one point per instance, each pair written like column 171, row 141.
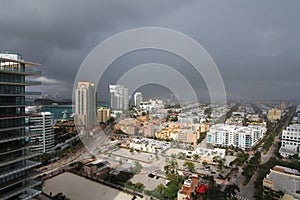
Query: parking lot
column 149, row 183
column 138, row 156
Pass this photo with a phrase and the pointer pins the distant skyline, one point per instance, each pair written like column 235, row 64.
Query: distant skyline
column 255, row 44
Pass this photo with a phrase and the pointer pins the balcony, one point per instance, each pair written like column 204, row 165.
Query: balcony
column 29, row 175
column 32, row 93
column 29, row 184
column 19, row 94
column 14, row 147
column 29, row 194
column 11, row 128
column 29, row 72
column 13, row 138
column 20, row 83
column 13, row 104
column 17, row 168
column 32, row 83
column 11, row 160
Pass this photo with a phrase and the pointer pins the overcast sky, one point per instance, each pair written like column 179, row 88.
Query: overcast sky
column 255, row 44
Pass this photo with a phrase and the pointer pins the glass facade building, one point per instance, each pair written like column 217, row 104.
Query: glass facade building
column 16, row 174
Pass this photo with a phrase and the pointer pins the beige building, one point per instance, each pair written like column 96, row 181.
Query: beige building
column 103, row 114
column 274, row 114
column 282, row 180
column 85, row 104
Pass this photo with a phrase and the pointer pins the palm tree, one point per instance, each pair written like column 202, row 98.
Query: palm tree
column 160, row 188
column 174, row 164
column 181, row 155
column 167, row 169
column 196, row 156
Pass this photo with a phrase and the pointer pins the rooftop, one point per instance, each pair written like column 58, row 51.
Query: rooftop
column 287, row 170
column 187, row 190
column 27, row 63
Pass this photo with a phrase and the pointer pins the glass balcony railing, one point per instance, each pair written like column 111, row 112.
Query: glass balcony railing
column 15, row 168
column 33, row 93
column 33, row 82
column 7, row 104
column 27, row 186
column 30, row 72
column 29, row 175
column 17, row 158
column 12, row 137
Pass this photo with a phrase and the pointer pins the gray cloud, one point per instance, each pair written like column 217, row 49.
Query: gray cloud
column 254, row 43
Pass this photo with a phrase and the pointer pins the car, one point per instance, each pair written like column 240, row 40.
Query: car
column 212, row 172
column 151, row 175
column 188, row 182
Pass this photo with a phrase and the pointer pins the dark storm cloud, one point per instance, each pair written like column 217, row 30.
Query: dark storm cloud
column 254, row 43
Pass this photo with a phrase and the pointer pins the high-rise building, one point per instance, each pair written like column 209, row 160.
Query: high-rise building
column 16, row 174
column 118, row 98
column 40, row 127
column 103, row 114
column 85, row 104
column 138, row 98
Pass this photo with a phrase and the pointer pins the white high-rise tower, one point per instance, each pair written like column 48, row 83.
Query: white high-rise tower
column 138, row 98
column 118, row 98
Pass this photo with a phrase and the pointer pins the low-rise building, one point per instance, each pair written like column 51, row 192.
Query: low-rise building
column 243, row 137
column 274, row 114
column 208, row 155
column 282, row 180
column 94, row 167
column 192, row 186
column 187, row 188
column 149, row 145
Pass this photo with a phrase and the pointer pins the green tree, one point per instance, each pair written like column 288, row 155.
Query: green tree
column 171, row 191
column 160, row 188
column 110, row 120
column 167, row 169
column 214, row 191
column 137, row 168
column 189, row 165
column 181, row 155
column 231, row 190
column 196, row 156
column 174, row 165
column 139, row 185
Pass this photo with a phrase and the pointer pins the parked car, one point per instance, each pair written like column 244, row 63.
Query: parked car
column 150, row 175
